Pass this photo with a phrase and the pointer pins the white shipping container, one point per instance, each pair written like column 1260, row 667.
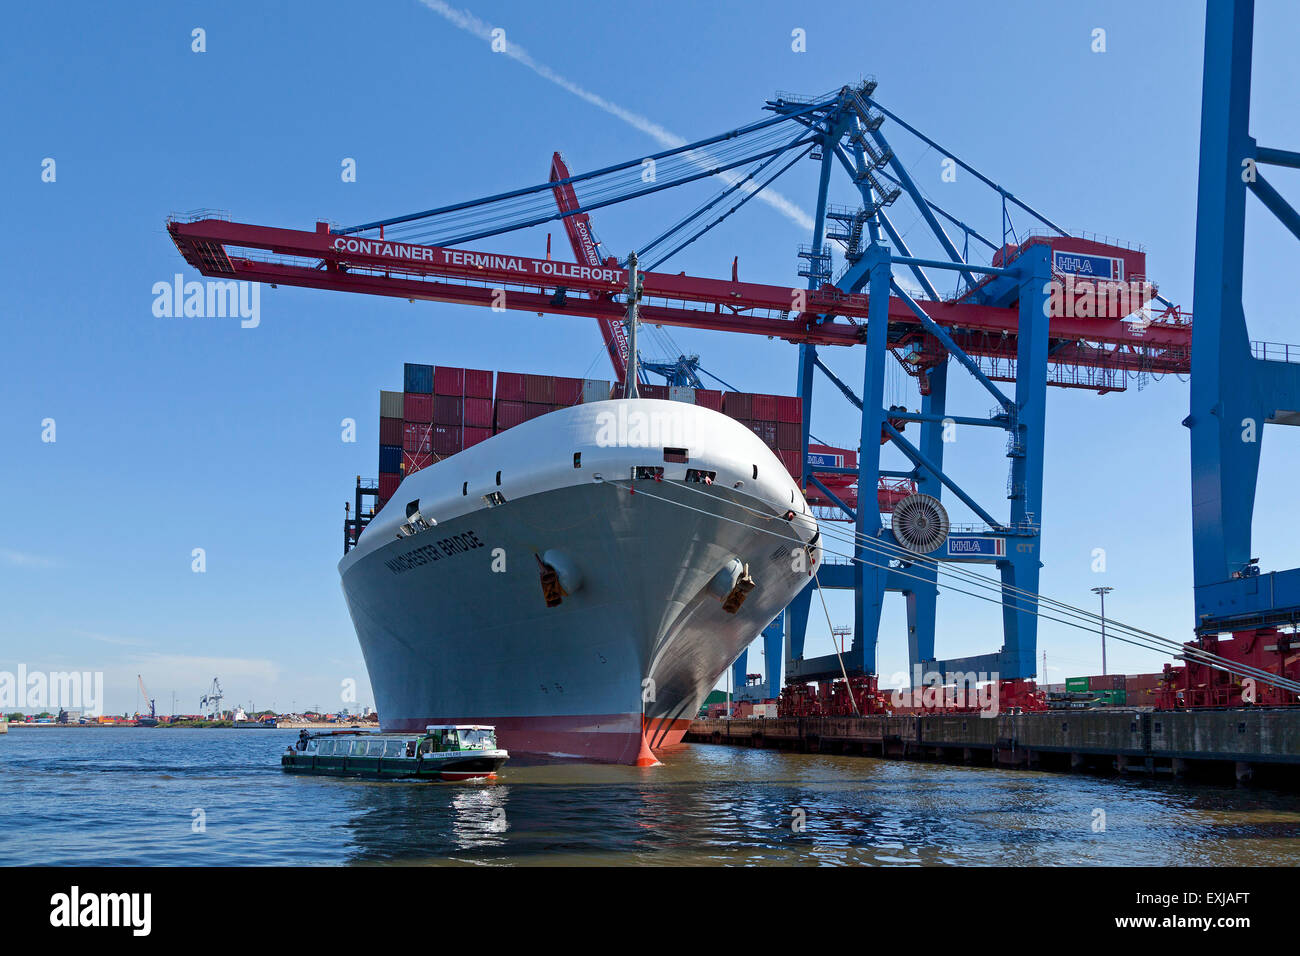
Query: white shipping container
column 678, row 393
column 765, row 710
column 594, row 390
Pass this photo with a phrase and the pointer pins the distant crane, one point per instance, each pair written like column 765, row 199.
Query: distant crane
column 211, row 701
column 152, row 719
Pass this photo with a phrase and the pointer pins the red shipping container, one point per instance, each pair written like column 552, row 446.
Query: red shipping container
column 789, row 408
column 417, row 407
column 448, row 381
column 788, row 436
column 478, row 413
column 388, row 485
column 414, row 461
column 448, row 410
column 446, row 440
column 475, row 435
column 1106, row 682
column 568, row 391
column 540, row 389
column 415, row 438
column 478, row 383
column 535, row 409
column 510, row 414
column 511, row 387
column 765, row 431
column 791, row 461
column 391, row 430
column 763, row 408
column 709, row 398
column 653, row 391
column 738, row 405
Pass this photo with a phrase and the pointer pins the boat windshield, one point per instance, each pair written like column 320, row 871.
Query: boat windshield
column 478, row 739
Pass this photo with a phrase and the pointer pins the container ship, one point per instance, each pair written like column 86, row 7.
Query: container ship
column 578, row 579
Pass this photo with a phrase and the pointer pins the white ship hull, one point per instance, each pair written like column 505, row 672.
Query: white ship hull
column 453, row 620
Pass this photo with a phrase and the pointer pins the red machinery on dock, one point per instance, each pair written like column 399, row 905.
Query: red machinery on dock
column 1197, row 684
column 860, row 696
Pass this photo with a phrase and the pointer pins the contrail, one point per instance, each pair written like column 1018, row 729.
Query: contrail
column 472, row 24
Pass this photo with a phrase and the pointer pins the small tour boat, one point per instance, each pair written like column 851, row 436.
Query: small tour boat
column 442, row 752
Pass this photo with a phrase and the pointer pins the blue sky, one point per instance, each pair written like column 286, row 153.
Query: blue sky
column 176, row 434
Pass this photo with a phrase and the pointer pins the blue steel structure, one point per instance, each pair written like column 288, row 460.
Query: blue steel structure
column 851, row 138
column 1236, row 388
column 839, row 130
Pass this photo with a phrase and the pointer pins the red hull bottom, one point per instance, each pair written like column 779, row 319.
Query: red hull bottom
column 604, row 738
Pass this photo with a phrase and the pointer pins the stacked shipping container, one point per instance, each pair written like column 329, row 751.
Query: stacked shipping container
column 523, row 397
column 1136, row 690
column 442, row 410
column 777, row 419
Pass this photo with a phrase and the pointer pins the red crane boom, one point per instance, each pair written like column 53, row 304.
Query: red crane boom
column 376, row 266
column 587, row 252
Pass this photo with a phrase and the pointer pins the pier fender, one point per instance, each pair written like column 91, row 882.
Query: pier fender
column 568, row 573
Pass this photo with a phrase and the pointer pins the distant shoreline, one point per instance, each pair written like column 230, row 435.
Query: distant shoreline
column 224, row 725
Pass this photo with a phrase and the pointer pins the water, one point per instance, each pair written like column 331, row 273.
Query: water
column 129, row 796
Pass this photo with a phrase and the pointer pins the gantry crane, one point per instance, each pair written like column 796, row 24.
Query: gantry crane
column 211, row 701
column 1003, row 323
column 1238, row 386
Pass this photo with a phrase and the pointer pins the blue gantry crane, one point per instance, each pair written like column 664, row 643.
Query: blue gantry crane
column 1238, row 386
column 995, row 327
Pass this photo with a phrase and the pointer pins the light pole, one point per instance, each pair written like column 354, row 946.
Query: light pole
column 1102, row 592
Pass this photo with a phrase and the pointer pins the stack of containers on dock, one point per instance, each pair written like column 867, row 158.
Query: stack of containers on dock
column 1108, row 687
column 1141, row 689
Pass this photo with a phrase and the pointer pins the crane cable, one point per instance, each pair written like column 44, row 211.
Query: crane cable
column 1138, row 638
column 884, row 547
column 838, row 655
column 1162, row 645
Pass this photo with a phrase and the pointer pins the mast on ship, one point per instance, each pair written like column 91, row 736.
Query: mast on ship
column 633, row 296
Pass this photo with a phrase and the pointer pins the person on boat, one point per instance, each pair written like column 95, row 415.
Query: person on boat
column 302, row 739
